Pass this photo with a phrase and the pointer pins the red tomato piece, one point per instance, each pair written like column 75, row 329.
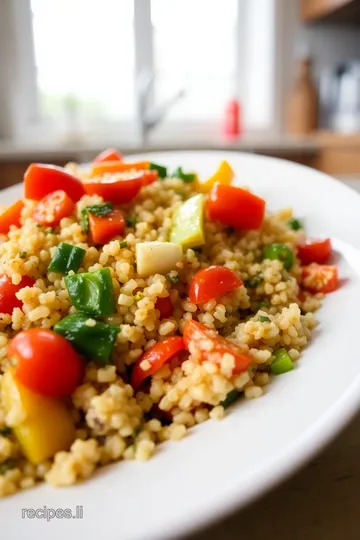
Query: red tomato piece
column 118, row 189
column 41, row 179
column 164, row 305
column 211, row 282
column 319, row 278
column 53, row 207
column 110, row 154
column 317, row 251
column 155, row 357
column 103, row 229
column 11, row 216
column 8, row 290
column 150, row 177
column 235, row 207
column 46, row 362
column 212, row 347
column 98, row 169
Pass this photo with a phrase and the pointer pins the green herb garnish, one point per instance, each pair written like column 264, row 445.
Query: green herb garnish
column 295, row 224
column 131, row 221
column 232, row 396
column 100, row 210
column 22, row 254
column 263, row 318
column 254, row 282
column 49, row 230
column 84, row 220
column 123, row 244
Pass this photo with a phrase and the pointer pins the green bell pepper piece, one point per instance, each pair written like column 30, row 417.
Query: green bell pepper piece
column 66, row 258
column 282, row 362
column 94, row 342
column 188, row 223
column 161, row 170
column 92, row 292
column 280, row 252
column 186, row 177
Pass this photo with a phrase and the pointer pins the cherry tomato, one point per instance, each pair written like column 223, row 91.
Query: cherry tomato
column 211, row 346
column 8, row 290
column 212, row 281
column 41, row 179
column 11, row 216
column 110, row 154
column 235, row 207
column 46, row 362
column 160, row 353
column 164, row 305
column 103, row 229
column 319, row 278
column 53, row 207
column 98, row 169
column 118, row 189
column 317, row 251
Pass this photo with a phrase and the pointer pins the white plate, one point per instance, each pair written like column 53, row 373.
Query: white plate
column 222, row 466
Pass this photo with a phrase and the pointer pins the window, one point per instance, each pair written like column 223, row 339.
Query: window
column 84, row 58
column 195, row 50
column 80, row 62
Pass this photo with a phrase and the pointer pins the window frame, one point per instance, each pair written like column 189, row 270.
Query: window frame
column 19, row 110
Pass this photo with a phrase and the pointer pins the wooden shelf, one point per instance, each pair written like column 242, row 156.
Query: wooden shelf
column 347, row 11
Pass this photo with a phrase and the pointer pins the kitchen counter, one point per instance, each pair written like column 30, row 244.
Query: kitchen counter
column 78, row 150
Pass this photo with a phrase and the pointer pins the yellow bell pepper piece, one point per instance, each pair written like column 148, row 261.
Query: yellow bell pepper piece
column 223, row 175
column 42, row 425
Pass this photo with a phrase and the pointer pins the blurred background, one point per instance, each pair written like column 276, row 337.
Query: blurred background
column 276, row 77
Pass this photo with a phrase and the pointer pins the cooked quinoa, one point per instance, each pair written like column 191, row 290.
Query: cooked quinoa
column 112, row 420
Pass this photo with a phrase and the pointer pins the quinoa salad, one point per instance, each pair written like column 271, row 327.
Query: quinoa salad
column 136, row 302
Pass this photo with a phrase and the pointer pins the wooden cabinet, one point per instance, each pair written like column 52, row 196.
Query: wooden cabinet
column 337, row 10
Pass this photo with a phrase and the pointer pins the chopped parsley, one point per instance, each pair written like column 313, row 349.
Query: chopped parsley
column 49, row 230
column 22, row 254
column 295, row 224
column 263, row 318
column 232, row 396
column 131, row 221
column 100, row 210
column 254, row 282
column 123, row 244
column 84, row 220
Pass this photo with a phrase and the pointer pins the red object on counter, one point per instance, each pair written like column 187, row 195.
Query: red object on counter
column 232, row 122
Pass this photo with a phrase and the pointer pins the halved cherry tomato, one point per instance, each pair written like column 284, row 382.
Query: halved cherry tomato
column 211, row 346
column 118, row 189
column 212, row 281
column 46, row 362
column 103, row 229
column 235, row 207
column 164, row 305
column 150, row 177
column 41, row 179
column 156, row 356
column 110, row 154
column 11, row 216
column 98, row 169
column 53, row 207
column 8, row 290
column 319, row 278
column 317, row 251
